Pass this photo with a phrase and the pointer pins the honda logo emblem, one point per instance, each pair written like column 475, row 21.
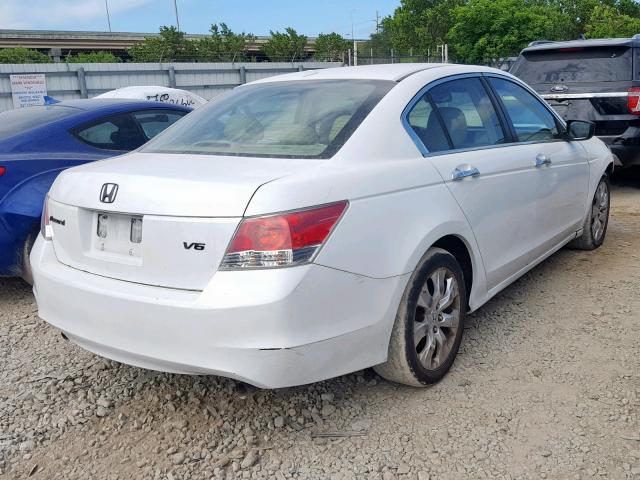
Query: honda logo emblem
column 108, row 192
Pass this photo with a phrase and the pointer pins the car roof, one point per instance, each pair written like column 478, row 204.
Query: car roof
column 96, row 103
column 390, row 72
column 596, row 42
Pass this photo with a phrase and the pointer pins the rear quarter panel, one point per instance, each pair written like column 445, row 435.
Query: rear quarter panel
column 21, row 204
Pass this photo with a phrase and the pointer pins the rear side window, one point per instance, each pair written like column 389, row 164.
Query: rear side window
column 20, row 120
column 467, row 113
column 152, row 122
column 425, row 123
column 574, row 65
column 530, row 119
column 117, row 132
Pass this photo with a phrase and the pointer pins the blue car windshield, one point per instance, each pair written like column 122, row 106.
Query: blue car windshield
column 20, row 120
column 290, row 119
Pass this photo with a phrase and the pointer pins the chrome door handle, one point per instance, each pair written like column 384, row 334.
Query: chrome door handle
column 542, row 160
column 462, row 171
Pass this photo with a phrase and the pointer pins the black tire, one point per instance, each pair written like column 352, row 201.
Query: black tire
column 26, row 273
column 406, row 360
column 594, row 228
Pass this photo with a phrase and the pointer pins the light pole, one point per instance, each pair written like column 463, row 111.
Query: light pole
column 175, row 8
column 106, row 6
column 355, row 45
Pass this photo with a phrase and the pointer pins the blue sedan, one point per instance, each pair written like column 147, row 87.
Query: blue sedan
column 37, row 143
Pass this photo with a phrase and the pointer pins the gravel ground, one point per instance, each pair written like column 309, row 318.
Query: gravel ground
column 546, row 385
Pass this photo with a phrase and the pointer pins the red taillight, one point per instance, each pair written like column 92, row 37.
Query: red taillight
column 282, row 240
column 3, row 170
column 633, row 101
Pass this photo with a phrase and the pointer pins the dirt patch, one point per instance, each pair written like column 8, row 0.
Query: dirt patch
column 546, row 385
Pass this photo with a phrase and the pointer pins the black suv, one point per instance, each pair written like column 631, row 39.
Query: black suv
column 596, row 80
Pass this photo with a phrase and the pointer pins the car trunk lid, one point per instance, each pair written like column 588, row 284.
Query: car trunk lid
column 162, row 220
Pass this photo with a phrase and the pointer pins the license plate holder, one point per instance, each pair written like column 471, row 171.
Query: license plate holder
column 117, row 235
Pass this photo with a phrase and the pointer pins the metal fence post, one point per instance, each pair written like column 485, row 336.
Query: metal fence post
column 172, row 76
column 82, row 83
column 243, row 75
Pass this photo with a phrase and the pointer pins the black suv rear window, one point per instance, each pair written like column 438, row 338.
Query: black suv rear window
column 575, row 65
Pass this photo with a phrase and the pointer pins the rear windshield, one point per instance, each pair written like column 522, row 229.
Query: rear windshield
column 300, row 119
column 566, row 65
column 19, row 120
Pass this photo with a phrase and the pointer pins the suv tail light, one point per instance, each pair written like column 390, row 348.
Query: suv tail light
column 282, row 240
column 633, row 101
column 3, row 170
column 45, row 227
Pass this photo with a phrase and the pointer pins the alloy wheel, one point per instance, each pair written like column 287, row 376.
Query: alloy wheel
column 599, row 211
column 437, row 318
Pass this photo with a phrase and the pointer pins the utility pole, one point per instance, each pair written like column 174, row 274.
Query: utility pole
column 106, row 6
column 377, row 22
column 355, row 45
column 175, row 8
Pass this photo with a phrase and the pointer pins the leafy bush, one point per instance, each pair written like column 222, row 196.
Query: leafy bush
column 93, row 57
column 22, row 55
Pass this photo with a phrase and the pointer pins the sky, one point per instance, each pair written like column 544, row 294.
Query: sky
column 308, row 17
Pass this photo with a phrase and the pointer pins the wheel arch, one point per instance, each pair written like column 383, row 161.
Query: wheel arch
column 457, row 247
column 609, row 169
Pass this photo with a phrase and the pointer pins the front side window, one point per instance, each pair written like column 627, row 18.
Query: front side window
column 298, row 119
column 531, row 121
column 468, row 114
column 152, row 122
column 117, row 132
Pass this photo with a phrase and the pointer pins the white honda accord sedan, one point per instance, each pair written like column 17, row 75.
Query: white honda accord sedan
column 313, row 224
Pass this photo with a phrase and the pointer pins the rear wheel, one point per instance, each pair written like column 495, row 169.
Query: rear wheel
column 429, row 324
column 27, row 274
column 595, row 225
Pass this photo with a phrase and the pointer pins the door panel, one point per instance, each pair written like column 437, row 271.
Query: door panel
column 561, row 187
column 494, row 186
column 563, row 172
column 499, row 203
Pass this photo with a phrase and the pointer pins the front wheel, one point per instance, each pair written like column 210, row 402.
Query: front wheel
column 429, row 323
column 595, row 225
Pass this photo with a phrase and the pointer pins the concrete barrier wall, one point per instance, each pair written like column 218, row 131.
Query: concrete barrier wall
column 85, row 80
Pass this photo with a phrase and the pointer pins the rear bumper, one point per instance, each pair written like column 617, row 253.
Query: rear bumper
column 271, row 328
column 627, row 154
column 625, row 147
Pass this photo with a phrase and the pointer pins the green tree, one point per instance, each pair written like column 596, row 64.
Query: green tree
column 93, row 57
column 223, row 44
column 22, row 55
column 379, row 44
column 419, row 25
column 607, row 22
column 331, row 47
column 170, row 45
column 287, row 46
column 487, row 30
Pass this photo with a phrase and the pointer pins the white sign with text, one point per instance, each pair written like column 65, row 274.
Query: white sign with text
column 28, row 89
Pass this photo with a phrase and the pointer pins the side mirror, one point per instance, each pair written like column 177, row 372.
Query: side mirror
column 580, row 129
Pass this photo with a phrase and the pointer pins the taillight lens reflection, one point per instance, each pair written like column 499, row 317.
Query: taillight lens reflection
column 282, row 240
